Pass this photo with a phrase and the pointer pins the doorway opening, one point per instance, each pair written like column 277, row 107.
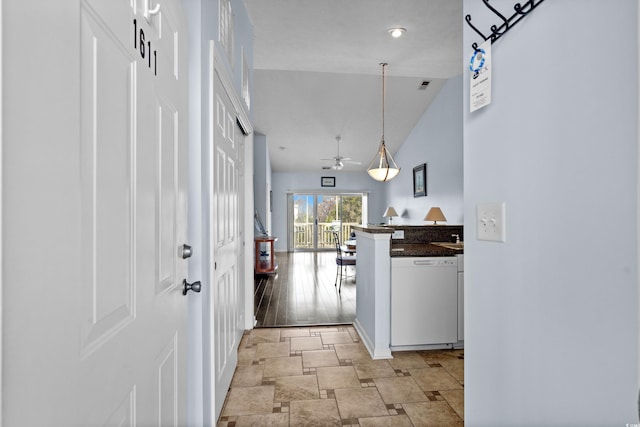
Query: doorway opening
column 304, row 290
column 303, row 293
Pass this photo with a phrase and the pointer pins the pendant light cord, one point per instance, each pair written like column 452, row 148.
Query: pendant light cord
column 383, row 167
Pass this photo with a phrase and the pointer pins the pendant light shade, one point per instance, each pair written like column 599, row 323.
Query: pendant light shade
column 383, row 167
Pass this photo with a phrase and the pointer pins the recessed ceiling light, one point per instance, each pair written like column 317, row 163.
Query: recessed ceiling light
column 397, row 32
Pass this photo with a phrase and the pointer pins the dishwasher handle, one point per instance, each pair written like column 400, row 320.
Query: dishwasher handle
column 441, row 262
column 424, row 262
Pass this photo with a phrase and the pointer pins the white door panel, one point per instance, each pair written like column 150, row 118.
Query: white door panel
column 106, row 125
column 107, row 150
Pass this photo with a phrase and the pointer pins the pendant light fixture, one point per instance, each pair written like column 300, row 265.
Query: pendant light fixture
column 383, row 167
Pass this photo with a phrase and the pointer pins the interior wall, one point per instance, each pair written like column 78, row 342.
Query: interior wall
column 242, row 38
column 437, row 141
column 195, row 375
column 262, row 181
column 551, row 314
column 286, row 182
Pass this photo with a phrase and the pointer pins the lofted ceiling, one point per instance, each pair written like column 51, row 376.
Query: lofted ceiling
column 317, row 74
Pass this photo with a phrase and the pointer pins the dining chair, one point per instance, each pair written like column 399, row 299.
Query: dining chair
column 342, row 261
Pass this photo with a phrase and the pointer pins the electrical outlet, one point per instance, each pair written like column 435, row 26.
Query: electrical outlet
column 491, row 222
column 398, row 234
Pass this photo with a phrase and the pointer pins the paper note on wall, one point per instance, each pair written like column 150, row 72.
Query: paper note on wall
column 480, row 83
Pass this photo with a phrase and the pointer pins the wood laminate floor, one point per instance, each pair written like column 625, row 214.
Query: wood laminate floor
column 302, row 293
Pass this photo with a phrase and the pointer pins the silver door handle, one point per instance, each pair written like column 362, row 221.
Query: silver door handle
column 186, row 287
column 186, row 251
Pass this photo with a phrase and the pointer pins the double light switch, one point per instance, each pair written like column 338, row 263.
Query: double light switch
column 491, row 222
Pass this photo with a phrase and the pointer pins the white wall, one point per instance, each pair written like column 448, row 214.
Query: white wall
column 195, row 408
column 243, row 37
column 437, row 141
column 284, row 182
column 262, row 180
column 551, row 316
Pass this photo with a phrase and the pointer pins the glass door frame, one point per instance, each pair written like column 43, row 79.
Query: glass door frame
column 291, row 221
column 364, row 195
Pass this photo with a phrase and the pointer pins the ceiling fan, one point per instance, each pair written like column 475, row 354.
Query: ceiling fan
column 339, row 161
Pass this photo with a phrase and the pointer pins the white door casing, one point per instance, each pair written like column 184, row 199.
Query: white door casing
column 241, row 233
column 97, row 329
column 1, row 220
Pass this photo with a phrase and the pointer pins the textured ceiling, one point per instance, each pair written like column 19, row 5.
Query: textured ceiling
column 317, row 74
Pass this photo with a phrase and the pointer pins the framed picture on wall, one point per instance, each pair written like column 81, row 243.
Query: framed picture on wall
column 420, row 180
column 328, row 181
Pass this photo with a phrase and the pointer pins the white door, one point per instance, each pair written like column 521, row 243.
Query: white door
column 225, row 293
column 95, row 214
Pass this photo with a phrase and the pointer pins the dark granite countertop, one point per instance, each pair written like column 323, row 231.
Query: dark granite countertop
column 373, row 229
column 417, row 241
column 422, row 250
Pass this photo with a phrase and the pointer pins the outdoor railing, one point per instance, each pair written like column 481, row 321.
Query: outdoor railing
column 303, row 234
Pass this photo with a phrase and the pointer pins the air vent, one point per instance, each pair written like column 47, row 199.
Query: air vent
column 423, row 85
column 326, row 168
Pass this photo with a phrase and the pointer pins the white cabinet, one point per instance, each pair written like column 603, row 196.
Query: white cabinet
column 424, row 300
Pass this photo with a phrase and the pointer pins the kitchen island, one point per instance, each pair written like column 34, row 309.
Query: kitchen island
column 376, row 248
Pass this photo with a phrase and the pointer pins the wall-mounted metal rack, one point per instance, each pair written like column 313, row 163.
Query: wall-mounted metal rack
column 521, row 10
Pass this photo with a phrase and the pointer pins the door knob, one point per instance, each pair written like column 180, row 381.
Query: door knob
column 186, row 251
column 186, row 287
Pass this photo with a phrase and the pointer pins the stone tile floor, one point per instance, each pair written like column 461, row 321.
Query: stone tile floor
column 324, row 376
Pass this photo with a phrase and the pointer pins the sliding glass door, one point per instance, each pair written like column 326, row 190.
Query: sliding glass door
column 304, row 221
column 314, row 217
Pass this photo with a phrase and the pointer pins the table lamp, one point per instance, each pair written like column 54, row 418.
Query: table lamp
column 435, row 214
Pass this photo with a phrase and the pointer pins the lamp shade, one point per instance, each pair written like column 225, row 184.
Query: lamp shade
column 390, row 212
column 383, row 167
column 435, row 214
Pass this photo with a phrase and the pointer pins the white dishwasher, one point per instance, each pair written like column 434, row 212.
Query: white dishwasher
column 424, row 300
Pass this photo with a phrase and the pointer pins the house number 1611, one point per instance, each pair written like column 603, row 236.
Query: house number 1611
column 145, row 49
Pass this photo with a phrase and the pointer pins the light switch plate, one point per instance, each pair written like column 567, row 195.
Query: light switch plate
column 490, row 222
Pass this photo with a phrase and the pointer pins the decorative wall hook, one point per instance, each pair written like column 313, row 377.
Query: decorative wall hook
column 521, row 10
column 148, row 13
